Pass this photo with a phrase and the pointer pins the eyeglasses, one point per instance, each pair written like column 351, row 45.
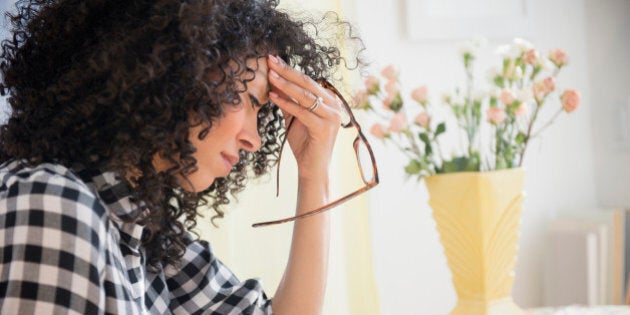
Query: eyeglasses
column 363, row 153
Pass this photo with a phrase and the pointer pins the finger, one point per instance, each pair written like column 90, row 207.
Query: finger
column 300, row 79
column 293, row 109
column 303, row 97
column 281, row 94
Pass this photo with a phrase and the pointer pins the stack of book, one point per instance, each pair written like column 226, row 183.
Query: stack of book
column 588, row 258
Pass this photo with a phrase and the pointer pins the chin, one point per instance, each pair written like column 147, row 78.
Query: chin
column 199, row 183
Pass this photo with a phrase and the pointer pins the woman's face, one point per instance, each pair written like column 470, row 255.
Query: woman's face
column 236, row 130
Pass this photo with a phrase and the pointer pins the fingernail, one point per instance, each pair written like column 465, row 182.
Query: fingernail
column 273, row 58
column 273, row 95
column 274, row 74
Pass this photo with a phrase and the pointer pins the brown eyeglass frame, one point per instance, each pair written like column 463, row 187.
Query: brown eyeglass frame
column 360, row 137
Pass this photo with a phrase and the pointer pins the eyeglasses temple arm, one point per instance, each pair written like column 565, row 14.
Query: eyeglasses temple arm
column 284, row 140
column 320, row 210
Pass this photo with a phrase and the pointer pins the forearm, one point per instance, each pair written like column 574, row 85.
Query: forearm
column 303, row 285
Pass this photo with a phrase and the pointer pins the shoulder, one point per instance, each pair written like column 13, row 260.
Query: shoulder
column 54, row 240
column 50, row 188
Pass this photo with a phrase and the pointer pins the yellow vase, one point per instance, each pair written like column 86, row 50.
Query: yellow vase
column 478, row 217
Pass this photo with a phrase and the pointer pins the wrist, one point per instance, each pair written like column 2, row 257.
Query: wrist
column 313, row 177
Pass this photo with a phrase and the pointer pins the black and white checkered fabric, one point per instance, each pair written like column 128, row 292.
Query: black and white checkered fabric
column 65, row 250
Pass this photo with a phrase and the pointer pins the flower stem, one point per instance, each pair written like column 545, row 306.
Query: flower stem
column 528, row 134
column 549, row 123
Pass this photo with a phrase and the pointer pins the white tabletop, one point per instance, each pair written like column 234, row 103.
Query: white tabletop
column 581, row 310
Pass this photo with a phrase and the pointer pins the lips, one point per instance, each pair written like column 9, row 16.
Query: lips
column 230, row 160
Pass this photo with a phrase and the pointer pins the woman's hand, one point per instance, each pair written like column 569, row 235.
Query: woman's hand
column 313, row 133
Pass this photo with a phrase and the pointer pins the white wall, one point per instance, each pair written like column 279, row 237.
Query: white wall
column 609, row 67
column 411, row 270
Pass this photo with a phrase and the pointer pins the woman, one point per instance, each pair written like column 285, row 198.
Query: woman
column 126, row 116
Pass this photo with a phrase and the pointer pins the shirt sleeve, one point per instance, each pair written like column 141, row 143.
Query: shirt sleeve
column 203, row 285
column 52, row 246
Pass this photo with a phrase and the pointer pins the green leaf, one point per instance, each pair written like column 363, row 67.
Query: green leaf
column 424, row 137
column 468, row 58
column 427, row 149
column 535, row 72
column 520, row 138
column 397, row 103
column 455, row 165
column 461, row 164
column 506, row 64
column 414, row 167
column 441, row 128
column 477, row 109
column 499, row 81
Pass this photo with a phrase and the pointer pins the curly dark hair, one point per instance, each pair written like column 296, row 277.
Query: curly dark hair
column 109, row 84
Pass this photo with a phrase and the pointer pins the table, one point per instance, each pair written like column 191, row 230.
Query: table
column 581, row 310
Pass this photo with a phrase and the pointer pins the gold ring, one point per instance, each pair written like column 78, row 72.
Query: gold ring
column 318, row 100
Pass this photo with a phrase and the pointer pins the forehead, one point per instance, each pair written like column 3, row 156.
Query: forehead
column 254, row 71
column 259, row 86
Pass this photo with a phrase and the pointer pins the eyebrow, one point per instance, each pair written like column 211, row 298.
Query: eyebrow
column 255, row 99
column 257, row 102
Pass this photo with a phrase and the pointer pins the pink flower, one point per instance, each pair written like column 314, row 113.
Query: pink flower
column 398, row 123
column 387, row 102
column 542, row 88
column 361, row 99
column 391, row 87
column 507, row 96
column 420, row 94
column 539, row 90
column 558, row 57
column 422, row 119
column 549, row 85
column 390, row 73
column 496, row 115
column 521, row 110
column 371, row 85
column 531, row 57
column 570, row 100
column 378, row 130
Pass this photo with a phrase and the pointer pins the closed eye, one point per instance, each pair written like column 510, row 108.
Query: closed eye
column 256, row 103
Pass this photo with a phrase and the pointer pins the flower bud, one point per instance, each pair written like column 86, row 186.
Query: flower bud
column 387, row 102
column 549, row 85
column 378, row 130
column 521, row 110
column 570, row 100
column 390, row 73
column 420, row 94
column 371, row 85
column 507, row 96
column 496, row 115
column 391, row 87
column 532, row 57
column 398, row 123
column 422, row 119
column 361, row 100
column 558, row 57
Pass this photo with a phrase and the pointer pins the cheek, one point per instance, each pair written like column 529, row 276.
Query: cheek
column 205, row 153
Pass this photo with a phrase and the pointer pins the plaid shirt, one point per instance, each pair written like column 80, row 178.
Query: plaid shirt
column 65, row 250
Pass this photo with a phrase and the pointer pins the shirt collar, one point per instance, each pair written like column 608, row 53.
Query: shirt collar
column 115, row 193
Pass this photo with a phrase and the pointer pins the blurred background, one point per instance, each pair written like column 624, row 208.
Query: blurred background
column 386, row 257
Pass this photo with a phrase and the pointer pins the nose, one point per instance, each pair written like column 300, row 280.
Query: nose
column 251, row 143
column 249, row 139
